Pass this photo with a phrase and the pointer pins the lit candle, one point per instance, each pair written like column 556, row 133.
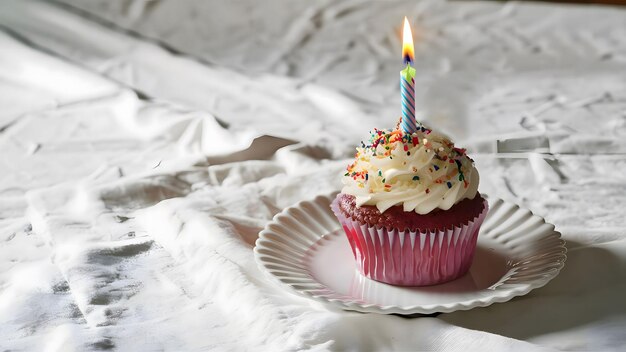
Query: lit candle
column 407, row 81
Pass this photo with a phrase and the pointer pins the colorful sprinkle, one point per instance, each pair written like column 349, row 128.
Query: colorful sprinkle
column 386, row 143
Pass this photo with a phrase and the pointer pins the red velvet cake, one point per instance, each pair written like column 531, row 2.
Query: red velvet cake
column 395, row 217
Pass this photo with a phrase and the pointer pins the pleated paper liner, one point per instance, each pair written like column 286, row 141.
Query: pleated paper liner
column 411, row 258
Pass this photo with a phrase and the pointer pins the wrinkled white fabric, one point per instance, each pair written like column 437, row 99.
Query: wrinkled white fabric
column 137, row 167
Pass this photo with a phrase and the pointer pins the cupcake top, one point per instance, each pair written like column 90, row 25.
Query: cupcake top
column 422, row 172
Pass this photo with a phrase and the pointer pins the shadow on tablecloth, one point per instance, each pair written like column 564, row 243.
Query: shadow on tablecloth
column 588, row 289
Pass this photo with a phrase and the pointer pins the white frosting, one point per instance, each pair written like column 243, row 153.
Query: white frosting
column 420, row 176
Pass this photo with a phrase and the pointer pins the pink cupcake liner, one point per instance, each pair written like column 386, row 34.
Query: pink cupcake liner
column 412, row 258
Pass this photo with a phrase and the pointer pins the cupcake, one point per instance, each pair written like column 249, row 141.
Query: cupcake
column 410, row 208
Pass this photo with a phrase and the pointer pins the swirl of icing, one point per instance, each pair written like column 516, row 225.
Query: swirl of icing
column 420, row 171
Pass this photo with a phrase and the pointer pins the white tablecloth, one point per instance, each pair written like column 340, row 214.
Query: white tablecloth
column 144, row 144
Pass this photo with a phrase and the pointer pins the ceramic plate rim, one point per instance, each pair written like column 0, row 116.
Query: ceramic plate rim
column 514, row 290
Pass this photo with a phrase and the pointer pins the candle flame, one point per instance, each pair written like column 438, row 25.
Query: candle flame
column 408, row 54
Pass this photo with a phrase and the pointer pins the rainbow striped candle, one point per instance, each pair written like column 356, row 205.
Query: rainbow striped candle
column 407, row 82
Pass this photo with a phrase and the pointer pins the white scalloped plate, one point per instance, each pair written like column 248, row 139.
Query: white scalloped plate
column 305, row 249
